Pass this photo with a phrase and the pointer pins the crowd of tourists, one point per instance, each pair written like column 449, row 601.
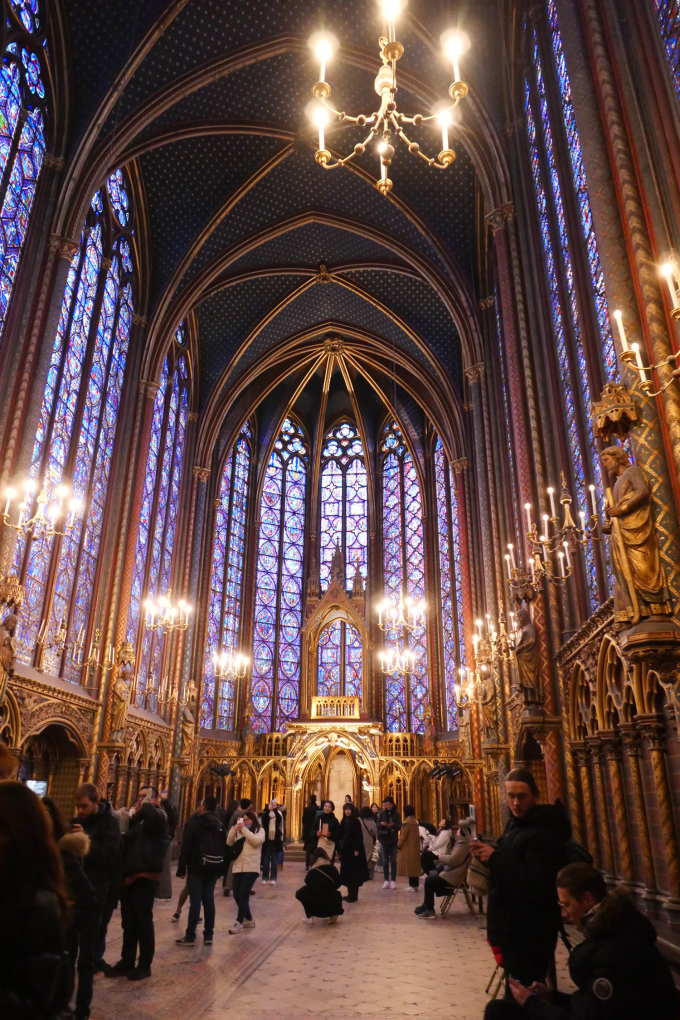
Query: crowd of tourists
column 60, row 882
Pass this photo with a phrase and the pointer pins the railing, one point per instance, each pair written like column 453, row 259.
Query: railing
column 400, row 745
column 335, row 708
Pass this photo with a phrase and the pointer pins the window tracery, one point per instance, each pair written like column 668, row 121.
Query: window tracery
column 450, row 575
column 153, row 570
column 218, row 708
column 275, row 688
column 344, row 498
column 75, row 440
column 404, row 574
column 339, row 661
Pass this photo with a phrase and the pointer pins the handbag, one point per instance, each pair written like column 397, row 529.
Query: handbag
column 479, row 877
column 324, row 843
column 233, row 851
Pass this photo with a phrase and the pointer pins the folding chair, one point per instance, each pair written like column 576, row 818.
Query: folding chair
column 500, row 974
column 450, row 897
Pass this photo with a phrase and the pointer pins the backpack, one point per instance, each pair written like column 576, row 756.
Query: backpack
column 211, row 852
column 577, row 853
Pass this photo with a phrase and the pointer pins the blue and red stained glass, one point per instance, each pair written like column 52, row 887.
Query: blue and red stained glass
column 226, row 585
column 344, row 501
column 339, row 661
column 450, row 575
column 119, row 198
column 668, row 18
column 404, row 574
column 28, row 12
column 275, row 688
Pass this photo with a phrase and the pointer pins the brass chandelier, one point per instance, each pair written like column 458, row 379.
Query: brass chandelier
column 387, row 121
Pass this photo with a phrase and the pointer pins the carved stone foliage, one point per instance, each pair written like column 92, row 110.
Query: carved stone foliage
column 38, row 711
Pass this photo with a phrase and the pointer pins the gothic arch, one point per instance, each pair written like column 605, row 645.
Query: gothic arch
column 333, row 606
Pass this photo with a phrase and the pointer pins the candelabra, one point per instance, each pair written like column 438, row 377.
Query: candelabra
column 227, row 666
column 162, row 615
column 631, row 355
column 406, row 615
column 49, row 522
column 401, row 663
column 387, row 118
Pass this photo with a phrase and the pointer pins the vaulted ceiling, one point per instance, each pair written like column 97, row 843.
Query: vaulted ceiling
column 208, row 98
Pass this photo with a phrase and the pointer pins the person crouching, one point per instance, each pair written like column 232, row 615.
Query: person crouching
column 320, row 895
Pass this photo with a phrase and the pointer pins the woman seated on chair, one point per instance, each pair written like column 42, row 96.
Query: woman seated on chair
column 455, row 869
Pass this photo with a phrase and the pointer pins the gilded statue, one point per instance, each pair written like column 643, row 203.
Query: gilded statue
column 7, row 653
column 189, row 719
column 640, row 589
column 119, row 707
column 248, row 733
column 430, row 734
column 465, row 730
column 526, row 657
column 488, row 702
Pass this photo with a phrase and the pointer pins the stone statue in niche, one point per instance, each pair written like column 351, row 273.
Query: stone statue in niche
column 526, row 657
column 488, row 703
column 640, row 588
column 248, row 733
column 430, row 733
column 7, row 653
column 189, row 719
column 465, row 729
column 119, row 707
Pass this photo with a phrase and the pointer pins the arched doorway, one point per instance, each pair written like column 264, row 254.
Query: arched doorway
column 54, row 757
column 341, row 780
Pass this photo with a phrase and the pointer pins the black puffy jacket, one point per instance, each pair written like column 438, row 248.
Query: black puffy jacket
column 145, row 844
column 523, row 902
column 102, row 863
column 73, row 848
column 619, row 972
column 194, row 830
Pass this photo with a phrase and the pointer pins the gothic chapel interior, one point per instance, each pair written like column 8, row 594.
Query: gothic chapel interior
column 316, row 392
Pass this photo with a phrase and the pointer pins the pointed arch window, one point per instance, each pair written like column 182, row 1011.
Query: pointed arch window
column 344, row 500
column 404, row 574
column 218, row 706
column 275, row 689
column 339, row 661
column 23, row 116
column 450, row 579
column 555, row 190
column 153, row 570
column 75, row 440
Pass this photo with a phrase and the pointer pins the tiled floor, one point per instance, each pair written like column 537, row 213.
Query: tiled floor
column 380, row 962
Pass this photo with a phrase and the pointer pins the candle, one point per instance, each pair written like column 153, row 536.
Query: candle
column 81, row 634
column 566, row 553
column 454, row 49
column 444, row 121
column 380, row 612
column 321, row 120
column 532, row 567
column 551, row 494
column 622, row 332
column 507, row 564
column 638, row 358
column 561, row 556
column 10, row 493
column 668, row 272
column 512, row 555
column 41, row 632
column 527, row 507
column 593, row 499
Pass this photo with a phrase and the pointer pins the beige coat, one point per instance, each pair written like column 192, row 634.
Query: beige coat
column 457, row 862
column 249, row 858
column 408, row 862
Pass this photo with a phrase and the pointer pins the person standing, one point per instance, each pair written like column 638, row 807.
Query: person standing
column 353, row 867
column 225, row 817
column 408, row 864
column 246, row 866
column 389, row 827
column 327, row 829
column 143, row 850
column 201, row 859
column 272, row 824
column 320, row 895
column 369, row 831
column 308, row 837
column 523, row 914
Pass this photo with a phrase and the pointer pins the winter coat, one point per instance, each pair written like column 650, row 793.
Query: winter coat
column 249, row 858
column 618, row 971
column 333, row 826
column 441, row 843
column 320, row 895
column 523, row 903
column 408, row 861
column 278, row 837
column 194, row 831
column 369, row 831
column 73, row 848
column 387, row 836
column 308, row 818
column 34, row 970
column 353, row 866
column 145, row 844
column 172, row 815
column 457, row 862
column 102, row 863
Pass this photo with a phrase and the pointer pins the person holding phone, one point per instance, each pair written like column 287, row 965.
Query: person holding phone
column 327, row 829
column 389, row 827
column 246, row 866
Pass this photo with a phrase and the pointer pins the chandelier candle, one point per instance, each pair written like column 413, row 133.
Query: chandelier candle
column 622, row 333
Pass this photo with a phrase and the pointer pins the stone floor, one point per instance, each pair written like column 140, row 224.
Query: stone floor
column 380, row 961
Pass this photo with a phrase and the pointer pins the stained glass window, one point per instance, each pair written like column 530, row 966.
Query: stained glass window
column 343, row 502
column 508, row 438
column 218, row 704
column 339, row 660
column 450, row 579
column 404, row 574
column 275, row 689
column 23, row 112
column 668, row 17
column 556, row 268
column 74, row 444
column 152, row 575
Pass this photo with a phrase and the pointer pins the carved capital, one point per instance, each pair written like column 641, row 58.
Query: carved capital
column 487, row 302
column 496, row 220
column 580, row 753
column 106, row 263
column 138, row 320
column 509, row 211
column 150, row 387
column 475, row 372
column 202, row 473
column 53, row 162
column 653, row 728
column 192, row 416
column 630, row 739
column 460, row 465
column 611, row 744
column 64, row 246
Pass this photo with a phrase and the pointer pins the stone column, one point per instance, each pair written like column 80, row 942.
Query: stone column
column 611, row 745
column 631, row 742
column 601, row 793
column 653, row 728
column 581, row 758
column 120, row 792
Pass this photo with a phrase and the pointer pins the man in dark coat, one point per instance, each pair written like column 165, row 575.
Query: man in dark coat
column 523, row 911
column 143, row 850
column 102, row 862
column 204, row 836
column 308, row 836
column 272, row 823
column 389, row 827
column 618, row 971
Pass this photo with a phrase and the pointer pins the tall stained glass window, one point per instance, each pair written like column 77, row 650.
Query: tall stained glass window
column 450, row 574
column 340, row 659
column 404, row 574
column 557, row 250
column 218, row 706
column 23, row 113
column 343, row 502
column 275, row 688
column 668, row 18
column 152, row 576
column 74, row 443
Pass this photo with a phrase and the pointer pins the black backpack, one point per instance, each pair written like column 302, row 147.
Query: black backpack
column 211, row 852
column 577, row 853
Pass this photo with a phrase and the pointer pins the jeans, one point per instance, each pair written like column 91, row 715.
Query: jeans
column 81, row 940
column 201, row 891
column 243, row 883
column 269, row 868
column 435, row 886
column 136, row 915
column 389, row 851
column 100, row 939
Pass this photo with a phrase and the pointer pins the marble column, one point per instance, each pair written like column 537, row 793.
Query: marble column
column 581, row 757
column 611, row 745
column 653, row 729
column 603, row 812
column 631, row 742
